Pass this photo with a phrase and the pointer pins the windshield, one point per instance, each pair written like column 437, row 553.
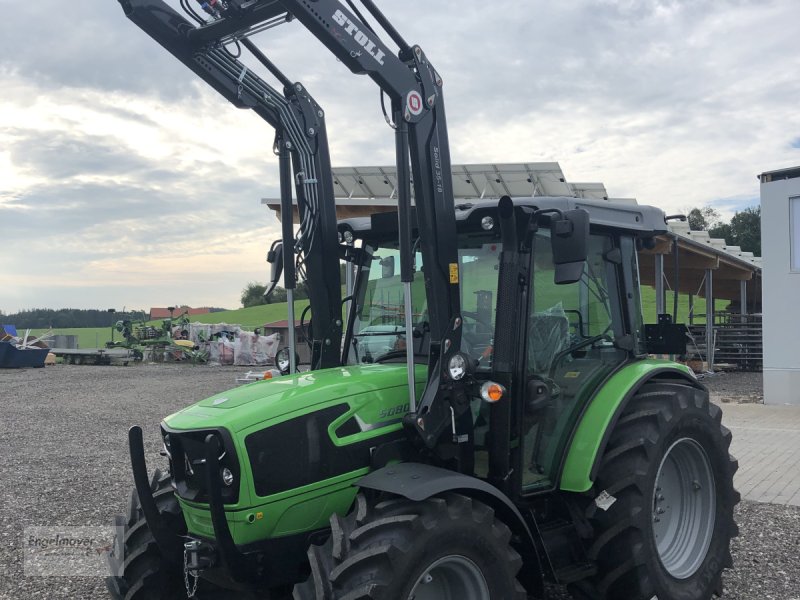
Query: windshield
column 379, row 326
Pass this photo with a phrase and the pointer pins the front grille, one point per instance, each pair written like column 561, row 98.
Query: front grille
column 187, row 461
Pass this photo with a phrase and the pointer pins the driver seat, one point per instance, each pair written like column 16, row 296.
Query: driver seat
column 548, row 334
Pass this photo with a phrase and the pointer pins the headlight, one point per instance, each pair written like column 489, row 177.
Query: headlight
column 227, row 477
column 282, row 360
column 457, row 367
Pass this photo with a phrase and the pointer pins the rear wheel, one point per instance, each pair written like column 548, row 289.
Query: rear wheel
column 663, row 511
column 442, row 548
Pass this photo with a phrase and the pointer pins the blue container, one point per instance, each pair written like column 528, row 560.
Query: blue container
column 13, row 358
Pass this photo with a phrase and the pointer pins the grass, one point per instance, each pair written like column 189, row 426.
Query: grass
column 88, row 337
column 649, row 306
column 247, row 318
column 252, row 317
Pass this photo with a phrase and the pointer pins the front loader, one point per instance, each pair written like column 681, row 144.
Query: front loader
column 487, row 417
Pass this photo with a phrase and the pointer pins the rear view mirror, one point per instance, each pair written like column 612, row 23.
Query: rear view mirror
column 537, row 397
column 275, row 260
column 387, row 267
column 569, row 235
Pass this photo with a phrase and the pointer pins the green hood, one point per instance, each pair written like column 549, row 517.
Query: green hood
column 246, row 406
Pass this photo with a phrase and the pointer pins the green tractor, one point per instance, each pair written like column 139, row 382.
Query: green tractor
column 486, row 418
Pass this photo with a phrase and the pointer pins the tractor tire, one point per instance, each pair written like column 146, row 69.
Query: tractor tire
column 663, row 500
column 443, row 548
column 144, row 572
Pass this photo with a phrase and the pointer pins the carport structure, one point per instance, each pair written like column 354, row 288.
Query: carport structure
column 697, row 265
column 689, row 262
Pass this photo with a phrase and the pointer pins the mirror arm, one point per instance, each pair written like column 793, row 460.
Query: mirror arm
column 275, row 259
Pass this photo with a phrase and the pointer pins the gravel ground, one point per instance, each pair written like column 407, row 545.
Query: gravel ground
column 63, row 461
column 737, row 387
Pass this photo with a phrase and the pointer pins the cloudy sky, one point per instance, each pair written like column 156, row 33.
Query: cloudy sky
column 126, row 182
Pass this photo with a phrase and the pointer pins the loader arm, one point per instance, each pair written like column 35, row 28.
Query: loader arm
column 299, row 123
column 415, row 90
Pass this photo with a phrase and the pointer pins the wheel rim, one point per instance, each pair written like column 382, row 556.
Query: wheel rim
column 451, row 577
column 684, row 508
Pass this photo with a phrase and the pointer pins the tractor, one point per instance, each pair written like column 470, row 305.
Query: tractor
column 484, row 420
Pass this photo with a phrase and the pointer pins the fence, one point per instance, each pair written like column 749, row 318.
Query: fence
column 737, row 341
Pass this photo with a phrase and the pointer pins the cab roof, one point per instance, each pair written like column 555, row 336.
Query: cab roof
column 641, row 220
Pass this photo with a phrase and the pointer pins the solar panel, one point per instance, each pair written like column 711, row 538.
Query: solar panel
column 591, row 191
column 470, row 182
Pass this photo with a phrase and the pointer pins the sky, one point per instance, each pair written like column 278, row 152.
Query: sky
column 125, row 182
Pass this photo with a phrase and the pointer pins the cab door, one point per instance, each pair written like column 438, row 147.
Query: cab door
column 575, row 338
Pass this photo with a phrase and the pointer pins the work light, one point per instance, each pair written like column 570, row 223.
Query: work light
column 457, row 367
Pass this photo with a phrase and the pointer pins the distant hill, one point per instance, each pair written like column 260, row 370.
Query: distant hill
column 252, row 317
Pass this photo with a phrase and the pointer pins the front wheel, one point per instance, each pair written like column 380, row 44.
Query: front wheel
column 443, row 548
column 139, row 570
column 663, row 508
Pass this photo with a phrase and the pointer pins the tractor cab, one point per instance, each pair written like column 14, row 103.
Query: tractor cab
column 572, row 334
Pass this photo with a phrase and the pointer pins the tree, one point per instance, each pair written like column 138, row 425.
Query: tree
column 703, row 219
column 722, row 231
column 253, row 295
column 277, row 295
column 746, row 229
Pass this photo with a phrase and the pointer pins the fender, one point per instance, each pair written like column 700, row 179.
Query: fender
column 418, row 481
column 599, row 418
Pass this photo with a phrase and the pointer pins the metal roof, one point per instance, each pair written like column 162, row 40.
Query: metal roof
column 361, row 191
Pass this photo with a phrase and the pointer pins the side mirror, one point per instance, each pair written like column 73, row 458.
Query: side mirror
column 275, row 260
column 387, row 267
column 569, row 235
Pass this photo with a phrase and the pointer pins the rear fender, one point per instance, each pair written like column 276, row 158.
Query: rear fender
column 598, row 420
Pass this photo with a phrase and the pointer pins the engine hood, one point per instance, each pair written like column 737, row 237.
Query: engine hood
column 245, row 406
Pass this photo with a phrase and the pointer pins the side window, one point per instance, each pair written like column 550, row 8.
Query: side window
column 479, row 265
column 571, row 347
column 633, row 298
column 380, row 321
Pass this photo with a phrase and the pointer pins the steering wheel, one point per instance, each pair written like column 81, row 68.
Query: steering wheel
column 574, row 348
column 475, row 340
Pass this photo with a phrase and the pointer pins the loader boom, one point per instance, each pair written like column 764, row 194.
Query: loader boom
column 415, row 90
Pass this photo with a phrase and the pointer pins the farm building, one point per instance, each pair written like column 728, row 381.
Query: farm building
column 682, row 267
column 780, row 245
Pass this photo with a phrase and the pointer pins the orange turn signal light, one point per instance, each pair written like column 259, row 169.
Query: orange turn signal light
column 492, row 392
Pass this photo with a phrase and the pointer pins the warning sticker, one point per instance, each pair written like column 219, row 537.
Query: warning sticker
column 453, row 272
column 414, row 103
column 604, row 500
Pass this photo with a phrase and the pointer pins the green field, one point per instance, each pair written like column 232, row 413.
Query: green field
column 256, row 316
column 649, row 307
column 252, row 317
column 247, row 318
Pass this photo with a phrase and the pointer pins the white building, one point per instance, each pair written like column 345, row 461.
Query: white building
column 780, row 249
